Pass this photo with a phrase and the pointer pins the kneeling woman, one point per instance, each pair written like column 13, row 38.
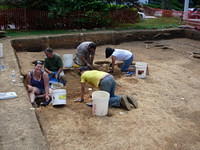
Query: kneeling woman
column 38, row 83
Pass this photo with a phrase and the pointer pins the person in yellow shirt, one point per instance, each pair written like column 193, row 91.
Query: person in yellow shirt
column 105, row 82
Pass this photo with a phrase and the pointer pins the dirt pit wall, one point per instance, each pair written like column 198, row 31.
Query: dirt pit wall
column 101, row 38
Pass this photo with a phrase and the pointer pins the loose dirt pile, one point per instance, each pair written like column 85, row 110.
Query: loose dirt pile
column 169, row 105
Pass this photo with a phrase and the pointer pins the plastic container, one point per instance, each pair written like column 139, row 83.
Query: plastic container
column 100, row 103
column 141, row 69
column 59, row 97
column 68, row 60
column 1, row 50
column 13, row 76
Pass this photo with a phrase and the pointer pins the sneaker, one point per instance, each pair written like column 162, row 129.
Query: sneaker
column 125, row 103
column 132, row 101
column 89, row 104
column 79, row 100
column 45, row 103
column 129, row 73
column 34, row 104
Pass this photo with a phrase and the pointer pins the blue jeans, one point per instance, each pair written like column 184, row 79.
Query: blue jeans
column 108, row 84
column 126, row 64
column 53, row 79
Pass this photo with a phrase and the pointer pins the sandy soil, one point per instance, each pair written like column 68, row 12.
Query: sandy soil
column 169, row 105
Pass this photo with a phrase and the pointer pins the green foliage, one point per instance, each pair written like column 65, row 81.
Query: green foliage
column 2, row 7
column 93, row 12
column 62, row 7
column 153, row 5
column 114, row 7
column 92, row 19
column 133, row 9
column 34, row 4
column 38, row 4
column 167, row 4
column 73, row 13
column 177, row 5
column 196, row 3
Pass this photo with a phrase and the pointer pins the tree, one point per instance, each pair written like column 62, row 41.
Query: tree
column 196, row 3
column 62, row 7
column 34, row 4
column 11, row 2
column 167, row 4
column 127, row 2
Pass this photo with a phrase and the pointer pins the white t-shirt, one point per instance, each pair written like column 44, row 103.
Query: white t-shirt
column 122, row 54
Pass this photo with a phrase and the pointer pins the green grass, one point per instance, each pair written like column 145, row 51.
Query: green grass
column 157, row 23
column 36, row 32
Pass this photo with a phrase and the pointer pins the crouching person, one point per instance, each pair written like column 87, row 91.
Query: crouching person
column 105, row 82
column 38, row 84
column 53, row 65
column 120, row 55
column 85, row 55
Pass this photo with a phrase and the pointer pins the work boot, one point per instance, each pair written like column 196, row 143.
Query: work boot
column 125, row 103
column 132, row 101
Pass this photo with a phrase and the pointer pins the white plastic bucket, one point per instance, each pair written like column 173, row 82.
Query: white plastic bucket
column 141, row 69
column 68, row 60
column 59, row 97
column 1, row 50
column 100, row 103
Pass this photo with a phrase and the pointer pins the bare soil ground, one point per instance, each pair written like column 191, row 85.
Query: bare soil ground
column 168, row 117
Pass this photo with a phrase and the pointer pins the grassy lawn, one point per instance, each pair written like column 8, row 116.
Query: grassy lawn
column 36, row 32
column 157, row 23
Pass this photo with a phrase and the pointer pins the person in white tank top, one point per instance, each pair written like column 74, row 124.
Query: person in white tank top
column 119, row 55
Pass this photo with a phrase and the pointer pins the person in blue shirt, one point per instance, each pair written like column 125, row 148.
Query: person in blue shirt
column 38, row 83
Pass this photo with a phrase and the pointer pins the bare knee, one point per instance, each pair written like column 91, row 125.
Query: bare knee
column 32, row 89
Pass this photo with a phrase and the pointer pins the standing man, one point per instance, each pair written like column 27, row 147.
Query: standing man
column 120, row 55
column 105, row 82
column 53, row 65
column 85, row 54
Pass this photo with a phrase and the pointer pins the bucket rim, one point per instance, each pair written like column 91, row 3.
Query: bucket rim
column 59, row 90
column 100, row 91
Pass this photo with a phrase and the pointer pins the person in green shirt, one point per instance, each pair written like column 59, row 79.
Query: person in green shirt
column 105, row 82
column 53, row 65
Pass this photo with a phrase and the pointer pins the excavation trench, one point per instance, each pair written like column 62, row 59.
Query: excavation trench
column 168, row 98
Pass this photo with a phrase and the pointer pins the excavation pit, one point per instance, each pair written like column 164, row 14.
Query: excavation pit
column 168, row 103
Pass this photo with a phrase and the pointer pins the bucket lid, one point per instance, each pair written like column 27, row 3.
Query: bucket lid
column 59, row 90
